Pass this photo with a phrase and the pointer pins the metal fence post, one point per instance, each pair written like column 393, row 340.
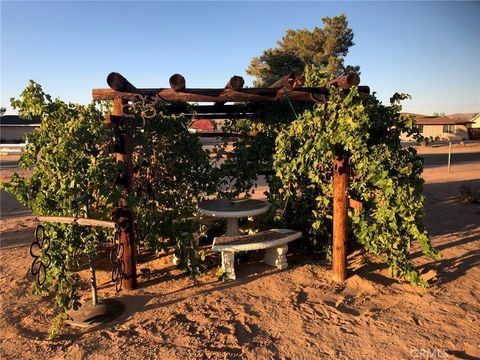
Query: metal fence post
column 449, row 153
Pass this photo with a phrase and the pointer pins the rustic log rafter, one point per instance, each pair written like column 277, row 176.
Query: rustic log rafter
column 174, row 101
column 233, row 92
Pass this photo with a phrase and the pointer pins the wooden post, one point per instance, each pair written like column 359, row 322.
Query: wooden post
column 127, row 234
column 340, row 216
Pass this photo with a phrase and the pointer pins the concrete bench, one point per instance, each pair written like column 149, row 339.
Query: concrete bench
column 274, row 241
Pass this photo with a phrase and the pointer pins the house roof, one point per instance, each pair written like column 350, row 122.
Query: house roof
column 202, row 125
column 15, row 120
column 437, row 120
column 463, row 116
column 476, row 119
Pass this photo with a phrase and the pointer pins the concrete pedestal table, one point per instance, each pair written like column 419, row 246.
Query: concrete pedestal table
column 232, row 210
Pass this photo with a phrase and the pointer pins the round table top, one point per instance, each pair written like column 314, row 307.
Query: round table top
column 234, row 208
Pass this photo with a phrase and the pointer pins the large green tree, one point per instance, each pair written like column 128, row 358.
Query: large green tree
column 324, row 48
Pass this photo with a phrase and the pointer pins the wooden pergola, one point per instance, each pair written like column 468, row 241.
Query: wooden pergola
column 175, row 100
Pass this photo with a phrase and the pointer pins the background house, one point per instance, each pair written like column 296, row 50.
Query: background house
column 13, row 128
column 441, row 127
column 476, row 121
column 473, row 127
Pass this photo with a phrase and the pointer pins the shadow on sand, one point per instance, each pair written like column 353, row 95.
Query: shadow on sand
column 454, row 227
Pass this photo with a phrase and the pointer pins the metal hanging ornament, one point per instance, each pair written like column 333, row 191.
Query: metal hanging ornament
column 41, row 258
column 116, row 258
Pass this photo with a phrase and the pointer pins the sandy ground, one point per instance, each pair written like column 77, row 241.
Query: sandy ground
column 298, row 313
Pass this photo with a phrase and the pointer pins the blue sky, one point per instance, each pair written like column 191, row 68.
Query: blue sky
column 430, row 50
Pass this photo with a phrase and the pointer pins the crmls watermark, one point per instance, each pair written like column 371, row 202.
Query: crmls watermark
column 429, row 353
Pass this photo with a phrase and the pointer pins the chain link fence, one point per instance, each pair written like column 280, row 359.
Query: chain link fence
column 450, row 156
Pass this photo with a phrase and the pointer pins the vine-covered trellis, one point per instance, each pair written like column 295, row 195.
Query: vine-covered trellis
column 175, row 101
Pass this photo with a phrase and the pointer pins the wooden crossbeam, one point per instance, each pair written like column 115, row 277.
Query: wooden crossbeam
column 355, row 204
column 80, row 221
column 120, row 87
column 236, row 82
column 199, row 111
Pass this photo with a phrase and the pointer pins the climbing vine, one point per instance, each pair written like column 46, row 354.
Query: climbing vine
column 67, row 157
column 171, row 175
column 385, row 177
column 70, row 155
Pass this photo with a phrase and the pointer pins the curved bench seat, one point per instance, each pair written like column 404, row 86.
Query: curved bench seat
column 274, row 241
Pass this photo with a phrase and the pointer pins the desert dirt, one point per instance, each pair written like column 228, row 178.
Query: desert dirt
column 297, row 313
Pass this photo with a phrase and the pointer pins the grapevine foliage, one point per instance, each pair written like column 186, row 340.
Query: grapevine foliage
column 69, row 156
column 172, row 174
column 386, row 178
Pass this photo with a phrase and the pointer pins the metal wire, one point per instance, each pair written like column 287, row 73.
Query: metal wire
column 290, row 103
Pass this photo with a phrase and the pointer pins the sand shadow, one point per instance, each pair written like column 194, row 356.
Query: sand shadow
column 456, row 215
column 17, row 238
column 370, row 271
column 459, row 219
column 451, row 269
column 462, row 355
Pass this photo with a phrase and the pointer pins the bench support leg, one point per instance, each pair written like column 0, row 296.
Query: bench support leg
column 277, row 257
column 228, row 264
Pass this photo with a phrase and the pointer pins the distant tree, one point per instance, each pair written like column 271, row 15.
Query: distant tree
column 439, row 114
column 322, row 48
column 3, row 110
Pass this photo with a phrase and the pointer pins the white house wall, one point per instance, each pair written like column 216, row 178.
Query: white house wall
column 434, row 131
column 476, row 122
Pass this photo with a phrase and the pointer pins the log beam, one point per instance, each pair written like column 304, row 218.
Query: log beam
column 120, row 87
column 77, row 221
column 221, row 95
column 118, row 83
column 346, row 81
column 235, row 83
column 292, row 81
column 177, row 82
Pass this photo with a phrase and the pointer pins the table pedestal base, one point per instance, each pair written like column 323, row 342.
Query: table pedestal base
column 232, row 227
